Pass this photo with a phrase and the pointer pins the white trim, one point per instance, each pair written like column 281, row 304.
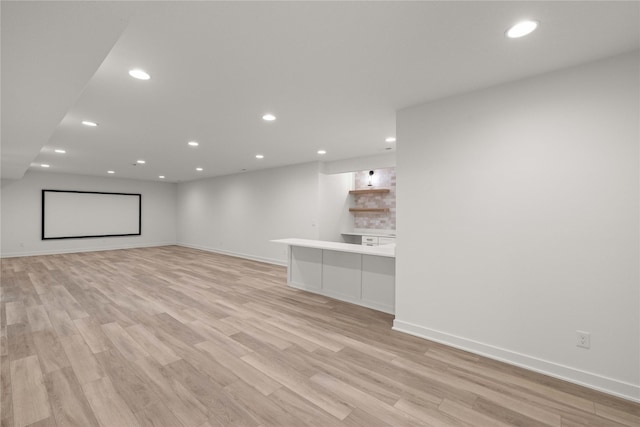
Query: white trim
column 235, row 254
column 576, row 376
column 77, row 250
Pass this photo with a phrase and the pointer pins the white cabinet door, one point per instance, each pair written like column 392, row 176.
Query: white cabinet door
column 379, row 282
column 305, row 267
column 342, row 274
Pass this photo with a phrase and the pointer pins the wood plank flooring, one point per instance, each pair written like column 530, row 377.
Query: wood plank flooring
column 177, row 337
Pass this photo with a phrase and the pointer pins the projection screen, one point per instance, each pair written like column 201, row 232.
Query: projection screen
column 82, row 214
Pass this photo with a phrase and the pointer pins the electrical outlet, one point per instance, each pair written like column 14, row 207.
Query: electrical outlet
column 583, row 339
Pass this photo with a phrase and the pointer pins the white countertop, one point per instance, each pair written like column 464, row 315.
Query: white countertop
column 377, row 233
column 382, row 250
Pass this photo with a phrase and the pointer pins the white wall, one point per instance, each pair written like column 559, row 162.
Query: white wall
column 334, row 206
column 234, row 214
column 518, row 223
column 22, row 213
column 239, row 214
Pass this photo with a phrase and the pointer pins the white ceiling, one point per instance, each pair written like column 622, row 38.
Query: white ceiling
column 334, row 73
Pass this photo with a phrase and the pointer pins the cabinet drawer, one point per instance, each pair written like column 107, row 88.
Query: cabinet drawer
column 386, row 240
column 369, row 239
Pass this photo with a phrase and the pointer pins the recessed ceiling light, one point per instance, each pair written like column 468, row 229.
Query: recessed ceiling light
column 139, row 74
column 59, row 151
column 161, row 177
column 111, row 172
column 322, row 152
column 521, row 29
column 193, row 143
column 141, row 162
column 199, row 169
column 90, row 124
column 269, row 117
column 44, row 165
column 391, row 139
column 259, row 156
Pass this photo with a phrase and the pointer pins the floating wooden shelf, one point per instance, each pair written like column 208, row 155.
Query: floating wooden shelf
column 370, row 191
column 356, row 210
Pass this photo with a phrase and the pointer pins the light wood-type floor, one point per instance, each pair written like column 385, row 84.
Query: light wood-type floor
column 177, row 337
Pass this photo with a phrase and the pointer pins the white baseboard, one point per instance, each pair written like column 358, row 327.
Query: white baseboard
column 76, row 250
column 576, row 376
column 236, row 254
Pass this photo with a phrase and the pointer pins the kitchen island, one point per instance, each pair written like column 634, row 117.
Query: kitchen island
column 363, row 275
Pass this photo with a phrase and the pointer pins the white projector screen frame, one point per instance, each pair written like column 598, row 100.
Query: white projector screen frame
column 84, row 214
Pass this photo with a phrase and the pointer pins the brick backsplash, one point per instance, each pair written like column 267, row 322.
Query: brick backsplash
column 382, row 178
